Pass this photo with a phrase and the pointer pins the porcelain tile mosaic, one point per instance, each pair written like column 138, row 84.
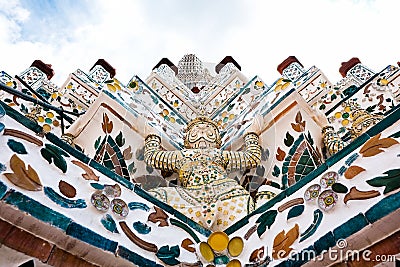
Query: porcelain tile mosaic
column 102, row 183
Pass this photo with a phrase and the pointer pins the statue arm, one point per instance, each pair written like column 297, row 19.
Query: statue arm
column 248, row 159
column 155, row 157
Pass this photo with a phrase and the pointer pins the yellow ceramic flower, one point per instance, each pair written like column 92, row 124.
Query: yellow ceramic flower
column 220, row 250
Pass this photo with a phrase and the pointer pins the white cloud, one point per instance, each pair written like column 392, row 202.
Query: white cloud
column 134, row 35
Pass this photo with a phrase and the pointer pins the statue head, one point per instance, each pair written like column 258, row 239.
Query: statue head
column 202, row 132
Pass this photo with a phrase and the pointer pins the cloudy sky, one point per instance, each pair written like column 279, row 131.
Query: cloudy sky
column 134, row 35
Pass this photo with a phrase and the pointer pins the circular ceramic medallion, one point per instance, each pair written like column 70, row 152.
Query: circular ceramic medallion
column 119, row 207
column 327, row 200
column 46, row 128
column 100, row 201
column 312, row 192
column 112, row 190
column 234, row 263
column 235, row 246
column 328, row 179
column 50, row 114
column 218, row 241
column 206, row 252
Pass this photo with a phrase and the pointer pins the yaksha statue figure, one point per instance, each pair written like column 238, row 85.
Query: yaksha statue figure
column 206, row 194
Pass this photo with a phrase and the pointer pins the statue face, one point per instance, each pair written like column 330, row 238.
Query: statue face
column 203, row 135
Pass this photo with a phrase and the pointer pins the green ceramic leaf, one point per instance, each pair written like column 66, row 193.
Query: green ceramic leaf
column 46, row 154
column 370, row 109
column 138, row 205
column 276, row 172
column 275, row 184
column 109, row 223
column 284, row 181
column 56, row 150
column 155, row 99
column 310, row 139
column 53, row 154
column 288, row 140
column 141, row 228
column 266, row 220
column 377, row 182
column 392, row 173
column 24, row 109
column 395, row 135
column 393, row 185
column 185, row 228
column 295, row 211
column 16, row 146
column 391, row 181
column 318, row 215
column 351, row 89
column 97, row 143
column 97, row 186
column 168, row 255
column 339, row 188
column 120, row 140
column 131, row 168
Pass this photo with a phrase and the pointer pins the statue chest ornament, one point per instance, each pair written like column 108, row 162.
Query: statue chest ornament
column 200, row 167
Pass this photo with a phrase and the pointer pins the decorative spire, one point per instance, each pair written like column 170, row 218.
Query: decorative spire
column 192, row 72
column 346, row 66
column 286, row 63
column 167, row 62
column 226, row 60
column 46, row 68
column 106, row 66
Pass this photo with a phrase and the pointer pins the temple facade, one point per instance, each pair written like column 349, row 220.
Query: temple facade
column 199, row 165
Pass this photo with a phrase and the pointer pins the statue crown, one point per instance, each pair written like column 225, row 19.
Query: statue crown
column 200, row 119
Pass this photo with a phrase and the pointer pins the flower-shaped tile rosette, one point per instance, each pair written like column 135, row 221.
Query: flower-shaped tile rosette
column 312, row 192
column 119, row 207
column 112, row 191
column 328, row 179
column 220, row 250
column 327, row 200
column 100, row 201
